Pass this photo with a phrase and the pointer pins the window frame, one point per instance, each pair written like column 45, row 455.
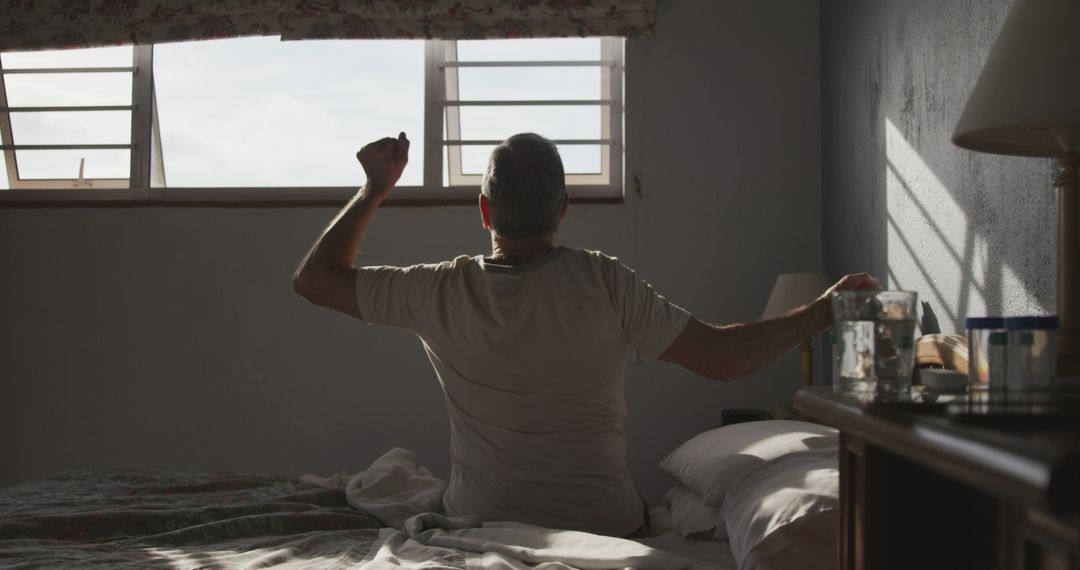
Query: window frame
column 9, row 147
column 147, row 161
column 606, row 184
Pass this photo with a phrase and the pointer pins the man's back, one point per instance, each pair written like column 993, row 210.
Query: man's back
column 531, row 359
column 530, row 354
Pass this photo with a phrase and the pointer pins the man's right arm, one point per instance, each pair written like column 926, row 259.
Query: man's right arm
column 326, row 276
column 731, row 351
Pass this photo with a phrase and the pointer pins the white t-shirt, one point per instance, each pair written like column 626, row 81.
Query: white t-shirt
column 531, row 361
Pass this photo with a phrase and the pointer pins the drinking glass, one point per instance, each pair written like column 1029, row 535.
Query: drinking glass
column 874, row 348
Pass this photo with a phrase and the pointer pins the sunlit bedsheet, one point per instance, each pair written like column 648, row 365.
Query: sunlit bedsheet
column 166, row 519
column 170, row 519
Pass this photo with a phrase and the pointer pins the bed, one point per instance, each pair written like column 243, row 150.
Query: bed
column 758, row 495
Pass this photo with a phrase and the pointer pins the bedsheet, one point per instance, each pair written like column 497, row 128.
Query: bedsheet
column 134, row 518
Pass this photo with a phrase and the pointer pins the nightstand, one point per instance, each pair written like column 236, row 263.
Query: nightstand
column 920, row 488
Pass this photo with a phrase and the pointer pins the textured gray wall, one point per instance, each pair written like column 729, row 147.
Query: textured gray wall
column 972, row 233
column 170, row 337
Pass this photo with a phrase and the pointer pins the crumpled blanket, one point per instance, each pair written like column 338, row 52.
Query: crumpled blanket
column 407, row 499
column 393, row 489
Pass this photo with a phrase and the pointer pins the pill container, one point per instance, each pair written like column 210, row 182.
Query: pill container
column 979, row 330
column 1032, row 354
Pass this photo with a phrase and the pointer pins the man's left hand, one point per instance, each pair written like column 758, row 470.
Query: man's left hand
column 853, row 282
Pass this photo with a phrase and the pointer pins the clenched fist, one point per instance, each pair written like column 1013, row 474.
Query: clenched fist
column 384, row 160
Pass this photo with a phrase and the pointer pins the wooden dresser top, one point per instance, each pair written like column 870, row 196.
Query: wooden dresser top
column 1035, row 460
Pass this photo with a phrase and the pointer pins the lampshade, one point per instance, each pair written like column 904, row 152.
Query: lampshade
column 1026, row 101
column 794, row 290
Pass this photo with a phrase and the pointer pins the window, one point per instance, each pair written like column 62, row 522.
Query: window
column 285, row 114
column 257, row 119
column 568, row 90
column 71, row 114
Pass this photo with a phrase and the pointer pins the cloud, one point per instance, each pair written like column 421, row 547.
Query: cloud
column 259, row 115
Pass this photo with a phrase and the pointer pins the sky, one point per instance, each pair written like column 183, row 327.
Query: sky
column 253, row 112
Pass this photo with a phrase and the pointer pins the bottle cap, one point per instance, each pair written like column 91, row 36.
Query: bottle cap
column 1031, row 323
column 984, row 323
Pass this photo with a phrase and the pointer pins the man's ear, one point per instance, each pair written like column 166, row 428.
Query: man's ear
column 565, row 205
column 485, row 212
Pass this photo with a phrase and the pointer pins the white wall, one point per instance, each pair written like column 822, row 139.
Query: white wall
column 170, row 337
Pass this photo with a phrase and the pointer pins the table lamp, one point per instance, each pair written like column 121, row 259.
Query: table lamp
column 794, row 290
column 1026, row 102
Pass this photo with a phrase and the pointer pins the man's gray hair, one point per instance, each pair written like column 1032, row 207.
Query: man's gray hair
column 525, row 186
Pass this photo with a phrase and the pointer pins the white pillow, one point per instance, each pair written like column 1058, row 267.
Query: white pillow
column 709, row 462
column 808, row 543
column 690, row 515
column 778, row 493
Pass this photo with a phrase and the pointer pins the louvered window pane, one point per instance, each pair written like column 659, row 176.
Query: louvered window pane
column 547, row 49
column 529, row 83
column 581, row 159
column 55, row 99
column 497, row 88
column 474, row 159
column 554, row 122
column 64, row 164
column 68, row 89
column 72, row 127
column 117, row 56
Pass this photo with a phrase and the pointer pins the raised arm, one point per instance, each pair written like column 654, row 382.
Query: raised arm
column 730, row 351
column 326, row 275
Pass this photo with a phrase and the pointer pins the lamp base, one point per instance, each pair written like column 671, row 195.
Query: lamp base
column 1068, row 265
column 807, row 351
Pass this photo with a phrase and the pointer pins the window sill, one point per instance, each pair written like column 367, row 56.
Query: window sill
column 262, row 197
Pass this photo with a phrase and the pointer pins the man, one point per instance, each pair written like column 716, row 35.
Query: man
column 529, row 343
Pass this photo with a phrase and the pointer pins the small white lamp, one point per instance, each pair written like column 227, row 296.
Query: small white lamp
column 1026, row 102
column 793, row 290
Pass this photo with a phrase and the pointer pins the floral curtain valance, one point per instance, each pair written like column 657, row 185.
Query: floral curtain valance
column 50, row 24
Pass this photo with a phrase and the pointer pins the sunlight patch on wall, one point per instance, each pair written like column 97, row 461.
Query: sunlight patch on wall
column 931, row 248
column 1022, row 301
